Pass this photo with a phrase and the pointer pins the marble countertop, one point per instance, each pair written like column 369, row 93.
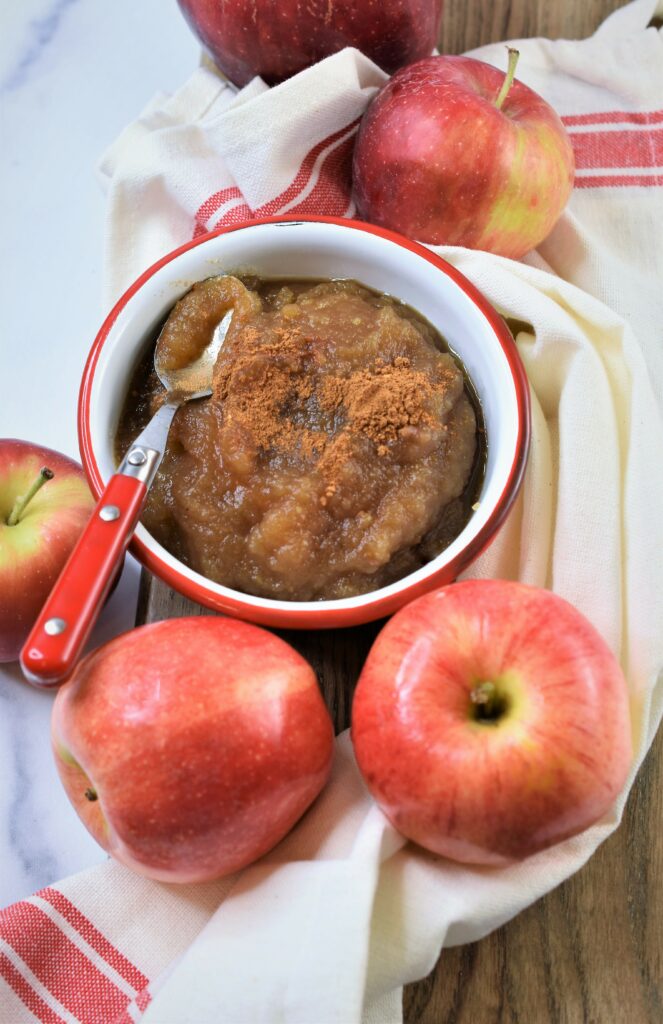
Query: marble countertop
column 72, row 74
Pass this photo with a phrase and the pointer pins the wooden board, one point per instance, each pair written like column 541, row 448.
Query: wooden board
column 591, row 952
column 467, row 24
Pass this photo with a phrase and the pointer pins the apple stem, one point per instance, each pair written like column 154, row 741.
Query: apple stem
column 508, row 78
column 485, row 696
column 91, row 794
column 23, row 500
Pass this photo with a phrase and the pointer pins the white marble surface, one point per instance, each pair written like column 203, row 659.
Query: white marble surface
column 72, row 74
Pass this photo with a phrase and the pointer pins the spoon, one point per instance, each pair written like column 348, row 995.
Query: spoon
column 64, row 623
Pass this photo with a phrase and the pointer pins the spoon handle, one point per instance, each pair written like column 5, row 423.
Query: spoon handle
column 64, row 623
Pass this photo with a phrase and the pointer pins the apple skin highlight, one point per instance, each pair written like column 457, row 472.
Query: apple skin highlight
column 438, row 161
column 202, row 740
column 491, row 792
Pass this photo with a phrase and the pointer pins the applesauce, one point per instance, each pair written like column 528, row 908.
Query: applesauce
column 342, row 447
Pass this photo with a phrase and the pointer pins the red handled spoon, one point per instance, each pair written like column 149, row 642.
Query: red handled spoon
column 64, row 623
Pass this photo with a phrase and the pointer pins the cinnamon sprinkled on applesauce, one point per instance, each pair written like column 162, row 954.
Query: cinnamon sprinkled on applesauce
column 337, row 451
column 382, row 400
column 260, row 382
column 267, row 383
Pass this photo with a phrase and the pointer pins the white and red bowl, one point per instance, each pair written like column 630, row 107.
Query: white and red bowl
column 319, row 247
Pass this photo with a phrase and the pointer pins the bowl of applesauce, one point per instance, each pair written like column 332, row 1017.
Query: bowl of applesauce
column 366, row 434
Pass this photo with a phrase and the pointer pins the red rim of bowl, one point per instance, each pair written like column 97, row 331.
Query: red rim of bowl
column 328, row 615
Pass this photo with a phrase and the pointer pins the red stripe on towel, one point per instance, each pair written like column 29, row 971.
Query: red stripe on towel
column 619, row 181
column 614, row 117
column 68, row 974
column 27, row 994
column 331, row 191
column 95, row 938
column 641, row 149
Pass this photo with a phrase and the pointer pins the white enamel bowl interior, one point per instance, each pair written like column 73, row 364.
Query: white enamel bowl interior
column 317, row 250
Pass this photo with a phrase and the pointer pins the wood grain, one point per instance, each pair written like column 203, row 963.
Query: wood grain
column 591, row 952
column 467, row 24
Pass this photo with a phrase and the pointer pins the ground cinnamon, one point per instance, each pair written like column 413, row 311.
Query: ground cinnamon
column 380, row 400
column 276, row 388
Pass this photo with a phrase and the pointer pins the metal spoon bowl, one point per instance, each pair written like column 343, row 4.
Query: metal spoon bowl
column 182, row 385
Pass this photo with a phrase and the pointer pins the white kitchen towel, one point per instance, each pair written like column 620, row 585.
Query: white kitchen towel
column 333, row 922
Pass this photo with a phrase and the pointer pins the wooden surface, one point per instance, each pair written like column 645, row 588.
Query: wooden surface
column 591, row 952
column 467, row 24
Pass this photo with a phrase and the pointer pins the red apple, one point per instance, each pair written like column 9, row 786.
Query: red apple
column 490, row 721
column 190, row 747
column 277, row 38
column 450, row 152
column 37, row 534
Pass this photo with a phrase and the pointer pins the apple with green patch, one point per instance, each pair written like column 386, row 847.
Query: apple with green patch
column 491, row 721
column 453, row 152
column 44, row 504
